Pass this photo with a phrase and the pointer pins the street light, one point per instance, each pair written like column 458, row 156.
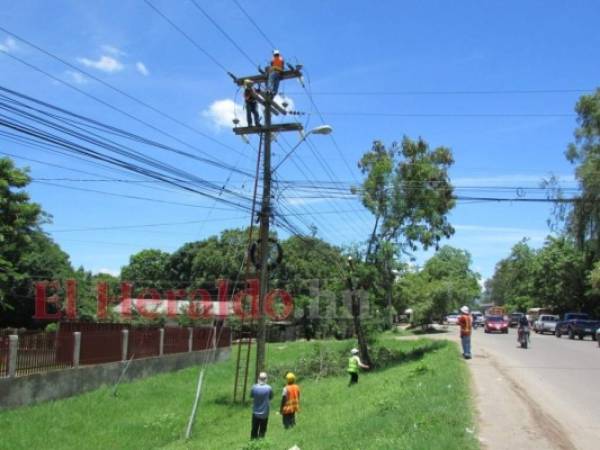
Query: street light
column 321, row 129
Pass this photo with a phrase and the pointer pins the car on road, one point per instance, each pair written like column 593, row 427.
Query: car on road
column 452, row 319
column 577, row 324
column 478, row 319
column 546, row 323
column 515, row 318
column 495, row 324
column 598, row 336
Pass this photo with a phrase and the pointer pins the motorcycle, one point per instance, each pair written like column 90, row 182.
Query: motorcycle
column 524, row 337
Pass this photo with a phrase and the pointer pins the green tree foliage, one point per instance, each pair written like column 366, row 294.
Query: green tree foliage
column 27, row 255
column 445, row 283
column 583, row 220
column 512, row 282
column 559, row 280
column 147, row 269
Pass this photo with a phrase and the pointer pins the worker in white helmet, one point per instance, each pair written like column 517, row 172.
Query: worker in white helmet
column 275, row 70
column 354, row 363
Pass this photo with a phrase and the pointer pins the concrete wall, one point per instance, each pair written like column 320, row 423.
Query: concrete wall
column 58, row 384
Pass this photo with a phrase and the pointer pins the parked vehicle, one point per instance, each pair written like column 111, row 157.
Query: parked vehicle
column 598, row 336
column 478, row 319
column 452, row 319
column 533, row 314
column 514, row 318
column 495, row 324
column 577, row 324
column 546, row 323
column 524, row 337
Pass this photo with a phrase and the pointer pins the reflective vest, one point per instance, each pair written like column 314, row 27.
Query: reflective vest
column 292, row 399
column 465, row 323
column 248, row 95
column 277, row 64
column 353, row 365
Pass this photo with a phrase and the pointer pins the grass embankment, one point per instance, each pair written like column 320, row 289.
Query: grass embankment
column 419, row 401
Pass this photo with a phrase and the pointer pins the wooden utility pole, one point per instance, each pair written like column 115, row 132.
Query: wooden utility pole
column 270, row 107
column 265, row 218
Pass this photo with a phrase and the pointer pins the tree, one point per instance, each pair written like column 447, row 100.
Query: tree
column 445, row 283
column 559, row 279
column 147, row 269
column 20, row 220
column 512, row 282
column 408, row 190
column 583, row 219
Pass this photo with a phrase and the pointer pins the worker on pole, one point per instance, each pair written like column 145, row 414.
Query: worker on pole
column 275, row 71
column 251, row 104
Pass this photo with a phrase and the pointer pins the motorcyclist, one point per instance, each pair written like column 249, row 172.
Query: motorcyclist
column 523, row 327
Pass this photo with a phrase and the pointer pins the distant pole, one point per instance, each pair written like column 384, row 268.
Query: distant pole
column 265, row 217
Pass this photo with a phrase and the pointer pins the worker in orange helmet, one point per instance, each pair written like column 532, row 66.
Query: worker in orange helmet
column 275, row 71
column 290, row 401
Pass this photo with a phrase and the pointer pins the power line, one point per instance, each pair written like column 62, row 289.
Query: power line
column 116, row 89
column 444, row 115
column 223, row 32
column 450, row 92
column 187, row 36
column 255, row 25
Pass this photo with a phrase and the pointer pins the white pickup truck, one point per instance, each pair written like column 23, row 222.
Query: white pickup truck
column 545, row 323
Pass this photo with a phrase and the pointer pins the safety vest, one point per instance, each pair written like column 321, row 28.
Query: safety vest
column 292, row 399
column 248, row 95
column 465, row 323
column 277, row 64
column 353, row 365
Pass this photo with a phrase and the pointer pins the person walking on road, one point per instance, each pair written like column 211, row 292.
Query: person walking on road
column 354, row 363
column 262, row 394
column 290, row 401
column 465, row 321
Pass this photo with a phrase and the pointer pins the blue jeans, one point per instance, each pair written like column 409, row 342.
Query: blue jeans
column 273, row 83
column 466, row 346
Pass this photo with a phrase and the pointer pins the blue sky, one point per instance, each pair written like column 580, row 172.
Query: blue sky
column 458, row 74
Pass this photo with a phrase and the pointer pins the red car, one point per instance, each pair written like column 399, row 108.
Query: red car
column 495, row 323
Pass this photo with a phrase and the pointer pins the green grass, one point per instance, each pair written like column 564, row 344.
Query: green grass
column 419, row 402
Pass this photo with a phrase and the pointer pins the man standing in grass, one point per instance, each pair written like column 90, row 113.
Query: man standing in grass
column 353, row 364
column 262, row 394
column 466, row 325
column 290, row 401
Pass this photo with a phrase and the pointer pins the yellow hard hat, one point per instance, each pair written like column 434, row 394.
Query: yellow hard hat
column 290, row 377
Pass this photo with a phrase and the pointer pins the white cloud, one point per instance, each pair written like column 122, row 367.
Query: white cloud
column 141, row 68
column 76, row 77
column 112, row 50
column 8, row 45
column 105, row 63
column 222, row 112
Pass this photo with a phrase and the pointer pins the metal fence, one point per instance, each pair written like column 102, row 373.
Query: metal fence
column 176, row 340
column 102, row 343
column 3, row 356
column 36, row 352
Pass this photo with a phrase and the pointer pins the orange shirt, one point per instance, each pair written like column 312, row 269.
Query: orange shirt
column 277, row 63
column 466, row 324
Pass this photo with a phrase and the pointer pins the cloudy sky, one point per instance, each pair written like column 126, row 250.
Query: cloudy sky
column 494, row 81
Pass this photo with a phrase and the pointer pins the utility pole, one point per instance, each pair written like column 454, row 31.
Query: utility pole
column 265, row 218
column 271, row 107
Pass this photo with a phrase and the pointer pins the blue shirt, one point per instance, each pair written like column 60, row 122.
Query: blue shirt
column 262, row 394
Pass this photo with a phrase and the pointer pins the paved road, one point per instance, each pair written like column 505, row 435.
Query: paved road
column 556, row 380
